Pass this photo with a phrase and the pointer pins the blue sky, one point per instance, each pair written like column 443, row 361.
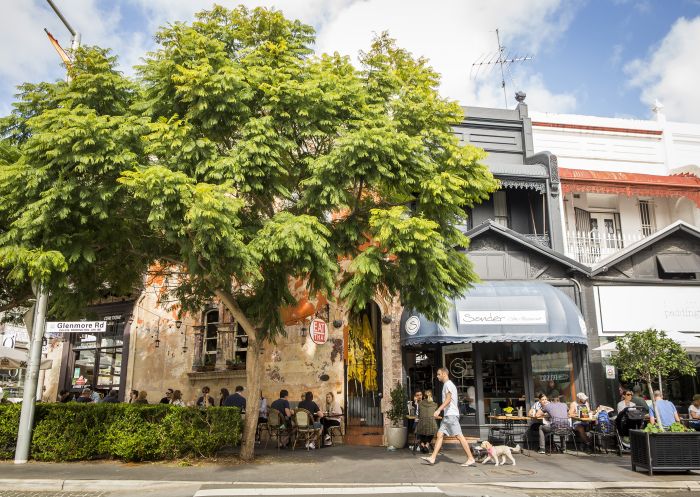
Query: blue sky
column 600, row 57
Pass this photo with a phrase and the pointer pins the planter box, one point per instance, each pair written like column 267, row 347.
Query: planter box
column 665, row 451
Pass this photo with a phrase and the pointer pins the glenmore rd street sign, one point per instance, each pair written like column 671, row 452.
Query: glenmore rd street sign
column 76, row 326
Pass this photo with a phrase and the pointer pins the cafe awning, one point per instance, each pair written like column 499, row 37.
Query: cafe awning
column 17, row 359
column 507, row 311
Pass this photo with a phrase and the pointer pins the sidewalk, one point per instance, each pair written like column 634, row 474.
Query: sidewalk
column 346, row 466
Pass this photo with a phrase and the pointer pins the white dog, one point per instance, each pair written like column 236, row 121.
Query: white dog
column 494, row 452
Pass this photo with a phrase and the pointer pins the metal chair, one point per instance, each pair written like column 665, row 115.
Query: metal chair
column 305, row 428
column 561, row 427
column 517, row 433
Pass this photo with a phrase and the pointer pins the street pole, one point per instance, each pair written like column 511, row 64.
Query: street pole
column 26, row 420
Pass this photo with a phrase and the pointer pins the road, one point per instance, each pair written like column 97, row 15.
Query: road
column 429, row 491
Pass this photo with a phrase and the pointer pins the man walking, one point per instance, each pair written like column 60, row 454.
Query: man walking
column 450, row 420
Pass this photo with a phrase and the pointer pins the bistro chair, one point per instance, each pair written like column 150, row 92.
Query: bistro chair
column 338, row 431
column 561, row 427
column 305, row 428
column 277, row 428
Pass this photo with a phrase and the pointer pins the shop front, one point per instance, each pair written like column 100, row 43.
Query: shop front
column 503, row 342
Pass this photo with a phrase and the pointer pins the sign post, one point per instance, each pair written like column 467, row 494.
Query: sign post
column 26, row 419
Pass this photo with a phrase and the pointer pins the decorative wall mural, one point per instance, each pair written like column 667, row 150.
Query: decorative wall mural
column 337, row 351
column 273, row 373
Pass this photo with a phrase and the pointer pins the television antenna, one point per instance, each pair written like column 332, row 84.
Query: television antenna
column 488, row 62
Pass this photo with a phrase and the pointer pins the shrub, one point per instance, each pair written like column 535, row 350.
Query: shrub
column 70, row 432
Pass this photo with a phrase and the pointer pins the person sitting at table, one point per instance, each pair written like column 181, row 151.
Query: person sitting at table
column 637, row 397
column 626, row 401
column 311, row 406
column 555, row 410
column 281, row 405
column 694, row 413
column 667, row 411
column 580, row 408
column 332, row 417
column 426, row 427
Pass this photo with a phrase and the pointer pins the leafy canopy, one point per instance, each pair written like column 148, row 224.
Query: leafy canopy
column 649, row 354
column 64, row 219
column 264, row 163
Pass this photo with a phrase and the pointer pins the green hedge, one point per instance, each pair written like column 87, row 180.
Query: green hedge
column 72, row 432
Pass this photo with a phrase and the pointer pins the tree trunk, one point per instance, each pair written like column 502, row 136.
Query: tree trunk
column 653, row 403
column 253, row 369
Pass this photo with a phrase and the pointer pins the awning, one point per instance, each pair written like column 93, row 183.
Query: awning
column 508, row 311
column 679, row 263
column 630, row 184
column 17, row 359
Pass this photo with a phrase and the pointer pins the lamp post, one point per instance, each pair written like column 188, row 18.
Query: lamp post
column 26, row 419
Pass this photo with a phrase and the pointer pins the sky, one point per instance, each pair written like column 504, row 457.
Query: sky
column 611, row 58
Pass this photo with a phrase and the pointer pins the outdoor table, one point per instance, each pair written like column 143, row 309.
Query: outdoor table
column 508, row 422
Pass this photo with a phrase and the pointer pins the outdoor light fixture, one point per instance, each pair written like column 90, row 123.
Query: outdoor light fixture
column 387, row 319
column 157, row 342
column 178, row 324
column 337, row 323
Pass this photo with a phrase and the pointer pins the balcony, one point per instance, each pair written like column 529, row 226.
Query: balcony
column 589, row 247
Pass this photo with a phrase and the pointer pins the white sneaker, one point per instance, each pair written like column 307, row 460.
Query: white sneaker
column 328, row 437
column 312, row 445
column 306, row 445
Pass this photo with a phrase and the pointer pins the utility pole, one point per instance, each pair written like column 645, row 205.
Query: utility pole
column 26, row 420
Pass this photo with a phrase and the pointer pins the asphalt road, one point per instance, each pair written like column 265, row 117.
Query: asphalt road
column 364, row 492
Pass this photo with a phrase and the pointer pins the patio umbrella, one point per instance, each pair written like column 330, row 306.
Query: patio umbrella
column 690, row 343
column 17, row 359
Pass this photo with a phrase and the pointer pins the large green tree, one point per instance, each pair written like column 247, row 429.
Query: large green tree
column 65, row 221
column 265, row 163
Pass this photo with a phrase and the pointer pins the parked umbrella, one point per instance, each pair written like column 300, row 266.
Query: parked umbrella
column 17, row 359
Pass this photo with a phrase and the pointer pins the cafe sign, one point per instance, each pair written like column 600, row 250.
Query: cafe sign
column 319, row 331
column 481, row 318
column 76, row 326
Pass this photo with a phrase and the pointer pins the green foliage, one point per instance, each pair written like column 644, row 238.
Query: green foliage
column 71, row 432
column 263, row 163
column 64, row 219
column 648, row 354
column 676, row 427
column 398, row 405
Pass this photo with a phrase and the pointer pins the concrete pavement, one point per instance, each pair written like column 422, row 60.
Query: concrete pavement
column 343, row 466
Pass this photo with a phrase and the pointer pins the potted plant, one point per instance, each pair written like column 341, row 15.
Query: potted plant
column 397, row 433
column 235, row 364
column 650, row 356
column 508, row 410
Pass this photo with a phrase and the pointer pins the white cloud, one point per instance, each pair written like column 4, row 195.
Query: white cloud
column 671, row 71
column 453, row 34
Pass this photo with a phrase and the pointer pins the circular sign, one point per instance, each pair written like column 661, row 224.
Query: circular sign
column 412, row 325
column 319, row 331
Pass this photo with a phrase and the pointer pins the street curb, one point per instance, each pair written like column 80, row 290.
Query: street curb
column 115, row 485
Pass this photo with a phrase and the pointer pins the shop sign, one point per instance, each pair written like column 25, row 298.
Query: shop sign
column 412, row 325
column 503, row 317
column 319, row 331
column 625, row 308
column 76, row 326
column 610, row 372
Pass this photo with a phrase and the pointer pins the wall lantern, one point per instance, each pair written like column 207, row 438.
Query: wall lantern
column 337, row 323
column 387, row 319
column 178, row 324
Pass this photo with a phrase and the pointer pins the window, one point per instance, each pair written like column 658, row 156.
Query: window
column 500, row 208
column 98, row 357
column 211, row 336
column 553, row 370
column 648, row 218
column 678, row 266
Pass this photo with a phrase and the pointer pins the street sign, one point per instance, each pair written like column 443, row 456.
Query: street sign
column 610, row 372
column 76, row 326
column 319, row 331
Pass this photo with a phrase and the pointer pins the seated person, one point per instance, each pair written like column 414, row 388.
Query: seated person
column 667, row 411
column 537, row 406
column 311, row 406
column 626, row 401
column 694, row 413
column 557, row 412
column 426, row 427
column 281, row 405
column 580, row 408
column 637, row 397
column 332, row 417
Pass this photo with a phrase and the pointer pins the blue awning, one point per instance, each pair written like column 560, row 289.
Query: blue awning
column 501, row 311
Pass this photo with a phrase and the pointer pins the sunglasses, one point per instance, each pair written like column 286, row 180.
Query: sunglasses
column 628, row 395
